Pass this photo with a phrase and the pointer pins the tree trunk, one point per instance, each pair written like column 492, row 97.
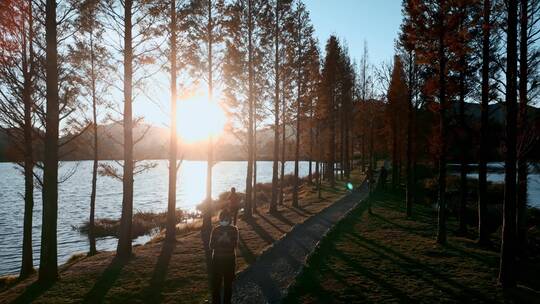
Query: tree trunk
column 27, row 263
column 507, row 275
column 124, row 241
column 483, row 237
column 207, row 216
column 522, row 125
column 332, row 142
column 283, row 160
column 441, row 227
column 91, row 235
column 395, row 170
column 254, row 202
column 347, row 168
column 249, row 195
column 310, row 170
column 274, row 199
column 410, row 110
column 173, row 141
column 48, row 268
column 463, row 168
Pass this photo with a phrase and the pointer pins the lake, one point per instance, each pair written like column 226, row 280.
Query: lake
column 496, row 175
column 150, row 194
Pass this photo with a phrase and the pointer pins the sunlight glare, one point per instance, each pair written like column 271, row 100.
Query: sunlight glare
column 199, row 118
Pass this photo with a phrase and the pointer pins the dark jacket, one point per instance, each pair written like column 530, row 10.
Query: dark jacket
column 223, row 241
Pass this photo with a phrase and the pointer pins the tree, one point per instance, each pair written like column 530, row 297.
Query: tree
column 397, row 104
column 48, row 267
column 281, row 12
column 173, row 140
column 205, row 37
column 464, row 64
column 91, row 63
column 246, row 46
column 529, row 61
column 303, row 38
column 329, row 85
column 18, row 69
column 507, row 274
column 483, row 237
column 135, row 26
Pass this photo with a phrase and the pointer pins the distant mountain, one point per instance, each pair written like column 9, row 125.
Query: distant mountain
column 155, row 142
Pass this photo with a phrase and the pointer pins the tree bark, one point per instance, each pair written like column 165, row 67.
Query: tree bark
column 483, row 237
column 332, row 141
column 48, row 268
column 410, row 110
column 283, row 160
column 274, row 199
column 27, row 263
column 207, row 216
column 522, row 126
column 249, row 195
column 507, row 275
column 298, row 109
column 91, row 226
column 441, row 227
column 124, row 248
column 463, row 167
column 173, row 141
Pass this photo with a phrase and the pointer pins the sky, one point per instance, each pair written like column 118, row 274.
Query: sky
column 375, row 22
column 354, row 21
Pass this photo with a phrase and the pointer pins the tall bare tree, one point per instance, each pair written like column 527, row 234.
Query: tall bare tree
column 18, row 69
column 507, row 274
column 48, row 267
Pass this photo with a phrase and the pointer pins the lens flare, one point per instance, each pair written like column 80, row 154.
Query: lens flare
column 199, row 118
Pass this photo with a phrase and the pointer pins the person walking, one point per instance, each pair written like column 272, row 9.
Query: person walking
column 233, row 204
column 223, row 242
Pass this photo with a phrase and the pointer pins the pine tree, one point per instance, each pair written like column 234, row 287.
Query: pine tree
column 329, row 88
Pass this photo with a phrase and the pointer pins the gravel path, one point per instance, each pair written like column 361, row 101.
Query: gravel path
column 267, row 279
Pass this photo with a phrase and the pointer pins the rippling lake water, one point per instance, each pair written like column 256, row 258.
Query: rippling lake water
column 150, row 194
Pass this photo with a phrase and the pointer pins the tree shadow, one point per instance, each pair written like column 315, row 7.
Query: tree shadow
column 33, row 291
column 263, row 234
column 420, row 231
column 246, row 253
column 267, row 220
column 409, row 265
column 297, row 211
column 396, row 292
column 283, row 219
column 105, row 281
column 153, row 292
column 301, row 208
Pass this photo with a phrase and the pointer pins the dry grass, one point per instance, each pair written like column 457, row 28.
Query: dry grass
column 168, row 274
column 387, row 258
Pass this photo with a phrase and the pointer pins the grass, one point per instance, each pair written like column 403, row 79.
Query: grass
column 160, row 273
column 385, row 257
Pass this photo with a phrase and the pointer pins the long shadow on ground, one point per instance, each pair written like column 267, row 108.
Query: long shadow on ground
column 153, row 292
column 105, row 282
column 33, row 291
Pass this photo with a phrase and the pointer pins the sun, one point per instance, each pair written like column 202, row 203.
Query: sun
column 199, row 118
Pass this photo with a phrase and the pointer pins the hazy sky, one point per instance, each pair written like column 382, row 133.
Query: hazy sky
column 353, row 21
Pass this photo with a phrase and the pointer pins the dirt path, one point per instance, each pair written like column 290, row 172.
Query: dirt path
column 267, row 279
